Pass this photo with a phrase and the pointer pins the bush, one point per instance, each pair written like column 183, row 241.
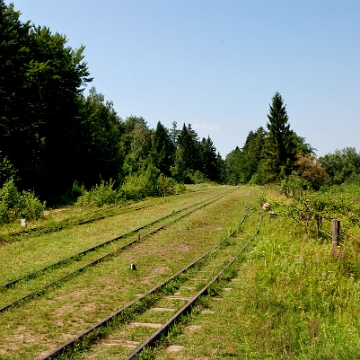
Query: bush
column 168, row 186
column 135, row 187
column 198, row 178
column 15, row 205
column 100, row 195
column 292, row 185
column 29, row 206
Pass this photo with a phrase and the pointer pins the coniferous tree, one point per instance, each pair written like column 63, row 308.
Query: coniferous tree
column 162, row 149
column 209, row 160
column 280, row 141
column 187, row 155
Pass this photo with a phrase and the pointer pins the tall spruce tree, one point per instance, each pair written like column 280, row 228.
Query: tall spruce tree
column 280, row 141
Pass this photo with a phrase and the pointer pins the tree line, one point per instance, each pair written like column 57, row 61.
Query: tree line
column 277, row 153
column 52, row 135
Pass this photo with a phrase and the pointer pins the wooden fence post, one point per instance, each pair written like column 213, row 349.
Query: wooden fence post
column 318, row 222
column 335, row 234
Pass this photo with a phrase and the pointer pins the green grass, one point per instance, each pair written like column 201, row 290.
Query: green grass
column 33, row 253
column 56, row 317
column 292, row 299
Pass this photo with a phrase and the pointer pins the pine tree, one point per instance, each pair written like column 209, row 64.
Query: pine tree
column 280, row 142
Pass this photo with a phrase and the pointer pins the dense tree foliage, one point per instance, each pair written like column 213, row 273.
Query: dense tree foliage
column 268, row 155
column 53, row 136
column 309, row 169
column 102, row 155
column 162, row 149
column 342, row 166
column 40, row 87
column 244, row 163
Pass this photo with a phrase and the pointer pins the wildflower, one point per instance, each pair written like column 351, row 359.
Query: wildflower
column 341, row 253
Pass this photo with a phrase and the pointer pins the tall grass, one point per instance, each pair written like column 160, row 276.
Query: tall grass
column 303, row 301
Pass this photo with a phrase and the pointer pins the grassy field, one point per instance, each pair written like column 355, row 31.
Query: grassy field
column 290, row 298
column 47, row 321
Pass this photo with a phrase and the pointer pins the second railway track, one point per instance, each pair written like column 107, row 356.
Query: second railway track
column 79, row 262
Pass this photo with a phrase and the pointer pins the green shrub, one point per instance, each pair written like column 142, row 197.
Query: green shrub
column 76, row 190
column 29, row 207
column 9, row 194
column 167, row 185
column 293, row 185
column 198, row 178
column 15, row 205
column 135, row 187
column 100, row 195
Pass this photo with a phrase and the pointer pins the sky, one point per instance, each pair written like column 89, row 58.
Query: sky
column 217, row 64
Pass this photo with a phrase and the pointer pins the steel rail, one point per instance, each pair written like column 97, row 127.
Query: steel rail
column 66, row 277
column 75, row 256
column 71, row 344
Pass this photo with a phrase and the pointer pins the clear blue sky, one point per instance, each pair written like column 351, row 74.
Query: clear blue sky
column 217, row 64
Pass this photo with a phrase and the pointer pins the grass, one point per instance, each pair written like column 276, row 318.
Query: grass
column 17, row 258
column 293, row 300
column 68, row 216
column 50, row 320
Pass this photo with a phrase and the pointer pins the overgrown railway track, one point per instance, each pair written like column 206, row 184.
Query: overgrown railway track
column 153, row 227
column 60, row 310
column 177, row 294
column 82, row 219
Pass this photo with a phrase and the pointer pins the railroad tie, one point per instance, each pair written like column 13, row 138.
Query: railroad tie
column 208, row 312
column 126, row 343
column 150, row 325
column 174, row 297
column 160, row 309
column 174, row 348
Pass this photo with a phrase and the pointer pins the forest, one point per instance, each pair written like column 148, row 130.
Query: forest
column 57, row 143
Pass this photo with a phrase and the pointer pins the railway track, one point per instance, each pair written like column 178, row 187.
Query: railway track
column 82, row 258
column 133, row 325
column 84, row 218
